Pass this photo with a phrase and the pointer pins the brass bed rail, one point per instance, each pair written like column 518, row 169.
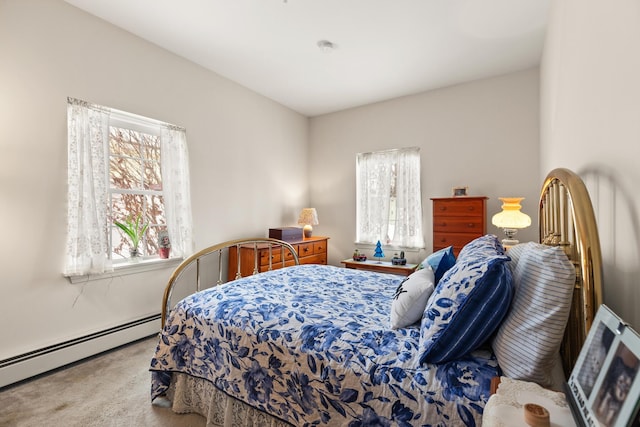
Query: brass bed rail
column 221, row 250
column 566, row 219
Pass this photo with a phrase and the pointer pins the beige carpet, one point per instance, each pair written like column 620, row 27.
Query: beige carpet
column 109, row 390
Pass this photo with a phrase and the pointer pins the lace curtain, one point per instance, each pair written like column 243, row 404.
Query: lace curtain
column 87, row 249
column 88, row 184
column 176, row 188
column 376, row 182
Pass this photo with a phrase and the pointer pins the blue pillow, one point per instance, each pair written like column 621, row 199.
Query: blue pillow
column 468, row 303
column 440, row 261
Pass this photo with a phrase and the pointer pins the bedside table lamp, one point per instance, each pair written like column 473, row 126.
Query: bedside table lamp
column 511, row 219
column 308, row 217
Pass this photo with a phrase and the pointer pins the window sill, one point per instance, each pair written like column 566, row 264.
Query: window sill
column 387, row 248
column 124, row 268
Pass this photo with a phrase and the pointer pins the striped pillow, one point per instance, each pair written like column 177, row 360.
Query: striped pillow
column 529, row 338
column 514, row 253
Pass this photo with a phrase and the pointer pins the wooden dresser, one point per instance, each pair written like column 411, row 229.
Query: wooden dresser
column 310, row 251
column 458, row 220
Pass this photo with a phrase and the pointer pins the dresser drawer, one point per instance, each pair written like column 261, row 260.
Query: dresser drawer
column 314, row 259
column 459, row 207
column 458, row 224
column 275, row 266
column 320, row 247
column 276, row 256
column 305, row 249
column 457, row 240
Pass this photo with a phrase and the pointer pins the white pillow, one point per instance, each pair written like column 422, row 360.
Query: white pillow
column 411, row 298
column 529, row 338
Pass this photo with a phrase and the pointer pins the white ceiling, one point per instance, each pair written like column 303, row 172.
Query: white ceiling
column 385, row 48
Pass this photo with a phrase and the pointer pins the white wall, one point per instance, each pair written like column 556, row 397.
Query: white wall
column 243, row 148
column 254, row 163
column 590, row 122
column 482, row 134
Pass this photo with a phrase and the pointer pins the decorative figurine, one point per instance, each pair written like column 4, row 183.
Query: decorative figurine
column 378, row 252
column 399, row 260
column 164, row 244
column 357, row 256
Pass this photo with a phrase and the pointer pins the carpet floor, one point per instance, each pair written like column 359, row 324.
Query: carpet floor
column 112, row 389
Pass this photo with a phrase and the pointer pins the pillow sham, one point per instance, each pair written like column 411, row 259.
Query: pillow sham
column 529, row 339
column 514, row 252
column 468, row 304
column 439, row 261
column 411, row 298
column 484, row 245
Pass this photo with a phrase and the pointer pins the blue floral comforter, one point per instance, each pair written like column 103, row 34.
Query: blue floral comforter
column 312, row 345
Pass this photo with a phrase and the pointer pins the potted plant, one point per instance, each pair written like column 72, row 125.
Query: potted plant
column 135, row 231
column 164, row 244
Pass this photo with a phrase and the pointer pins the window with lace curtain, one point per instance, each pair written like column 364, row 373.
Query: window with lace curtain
column 123, row 167
column 389, row 201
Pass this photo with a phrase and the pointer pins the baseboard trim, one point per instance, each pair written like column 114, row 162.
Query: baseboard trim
column 27, row 365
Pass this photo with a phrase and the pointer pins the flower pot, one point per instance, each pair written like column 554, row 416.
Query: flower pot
column 134, row 255
column 164, row 252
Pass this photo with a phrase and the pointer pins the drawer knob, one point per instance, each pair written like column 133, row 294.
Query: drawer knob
column 470, row 225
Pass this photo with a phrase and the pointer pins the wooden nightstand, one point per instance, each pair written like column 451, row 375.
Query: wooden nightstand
column 380, row 266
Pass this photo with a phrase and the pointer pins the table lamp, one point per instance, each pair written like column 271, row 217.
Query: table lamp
column 511, row 219
column 308, row 217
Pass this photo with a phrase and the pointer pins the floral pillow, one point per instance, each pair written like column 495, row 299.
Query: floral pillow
column 468, row 303
column 439, row 261
column 411, row 298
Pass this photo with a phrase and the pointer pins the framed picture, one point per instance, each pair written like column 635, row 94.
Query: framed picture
column 459, row 191
column 604, row 386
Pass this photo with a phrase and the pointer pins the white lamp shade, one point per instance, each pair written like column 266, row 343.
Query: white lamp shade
column 511, row 217
column 308, row 216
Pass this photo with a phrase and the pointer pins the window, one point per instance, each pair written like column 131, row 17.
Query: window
column 389, row 203
column 123, row 167
column 135, row 186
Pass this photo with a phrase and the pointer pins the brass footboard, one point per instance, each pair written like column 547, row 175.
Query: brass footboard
column 275, row 249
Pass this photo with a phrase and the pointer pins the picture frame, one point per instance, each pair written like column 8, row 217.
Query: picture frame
column 459, row 191
column 604, row 386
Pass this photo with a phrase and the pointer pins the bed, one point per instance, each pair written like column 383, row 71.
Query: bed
column 322, row 345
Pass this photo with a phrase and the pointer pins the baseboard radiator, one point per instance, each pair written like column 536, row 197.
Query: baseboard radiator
column 33, row 363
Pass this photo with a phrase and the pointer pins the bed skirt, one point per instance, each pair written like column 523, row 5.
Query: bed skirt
column 196, row 395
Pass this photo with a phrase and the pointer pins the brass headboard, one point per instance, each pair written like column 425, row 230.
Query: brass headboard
column 566, row 219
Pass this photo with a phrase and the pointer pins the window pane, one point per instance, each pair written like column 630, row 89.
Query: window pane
column 152, row 240
column 151, row 147
column 125, row 173
column 152, row 176
column 121, row 143
column 155, row 210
